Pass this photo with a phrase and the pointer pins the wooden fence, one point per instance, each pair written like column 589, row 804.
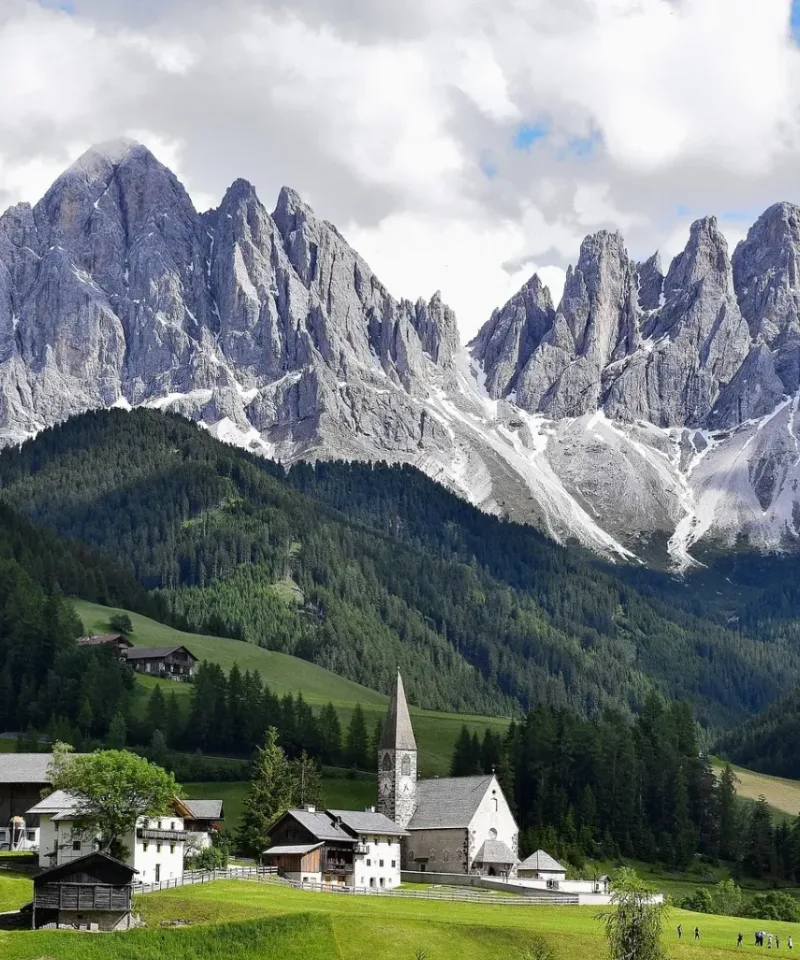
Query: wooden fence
column 192, row 877
column 459, row 895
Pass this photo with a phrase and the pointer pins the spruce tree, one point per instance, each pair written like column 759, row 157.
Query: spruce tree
column 269, row 796
column 117, row 732
column 357, row 747
column 728, row 819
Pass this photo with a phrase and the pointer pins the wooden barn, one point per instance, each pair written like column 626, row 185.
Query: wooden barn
column 92, row 893
column 175, row 663
column 118, row 641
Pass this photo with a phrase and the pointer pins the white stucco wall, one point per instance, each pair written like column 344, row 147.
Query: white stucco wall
column 493, row 820
column 380, row 867
column 143, row 855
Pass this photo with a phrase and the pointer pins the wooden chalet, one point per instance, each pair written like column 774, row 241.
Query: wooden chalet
column 118, row 641
column 175, row 663
column 92, row 893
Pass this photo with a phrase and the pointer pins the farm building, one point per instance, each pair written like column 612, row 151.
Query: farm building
column 23, row 777
column 454, row 824
column 93, row 892
column 202, row 818
column 116, row 640
column 541, row 866
column 175, row 663
column 156, row 846
column 340, row 847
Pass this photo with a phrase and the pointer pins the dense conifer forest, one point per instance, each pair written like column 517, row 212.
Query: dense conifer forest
column 363, row 568
column 770, row 741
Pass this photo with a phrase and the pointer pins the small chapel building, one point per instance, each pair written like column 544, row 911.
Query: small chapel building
column 453, row 824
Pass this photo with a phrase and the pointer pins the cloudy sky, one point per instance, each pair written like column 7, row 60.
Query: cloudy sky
column 458, row 145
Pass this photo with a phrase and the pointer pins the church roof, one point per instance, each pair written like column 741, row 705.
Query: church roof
column 397, row 731
column 495, row 851
column 542, row 861
column 448, row 802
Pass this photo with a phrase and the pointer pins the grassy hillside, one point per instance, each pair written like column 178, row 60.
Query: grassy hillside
column 245, row 921
column 780, row 794
column 436, row 732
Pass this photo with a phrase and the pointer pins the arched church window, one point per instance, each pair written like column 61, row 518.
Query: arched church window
column 405, row 766
column 387, row 762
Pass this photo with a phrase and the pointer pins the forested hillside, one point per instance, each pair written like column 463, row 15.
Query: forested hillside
column 362, row 569
column 46, row 681
column 770, row 741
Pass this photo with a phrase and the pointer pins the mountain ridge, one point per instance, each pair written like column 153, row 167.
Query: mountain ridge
column 645, row 414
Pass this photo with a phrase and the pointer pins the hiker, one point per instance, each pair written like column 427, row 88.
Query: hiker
column 697, row 933
column 739, row 940
column 759, row 939
column 769, row 942
column 777, row 942
column 680, row 931
column 789, row 943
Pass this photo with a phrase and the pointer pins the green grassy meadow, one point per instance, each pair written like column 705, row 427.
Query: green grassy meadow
column 15, row 890
column 241, row 920
column 436, row 733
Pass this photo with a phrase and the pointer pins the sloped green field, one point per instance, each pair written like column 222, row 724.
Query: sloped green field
column 436, row 733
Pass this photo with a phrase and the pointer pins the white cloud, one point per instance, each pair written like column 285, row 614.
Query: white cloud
column 386, row 118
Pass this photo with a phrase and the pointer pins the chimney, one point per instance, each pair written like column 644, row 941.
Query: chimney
column 310, row 808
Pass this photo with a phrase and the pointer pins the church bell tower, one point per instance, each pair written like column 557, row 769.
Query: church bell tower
column 397, row 761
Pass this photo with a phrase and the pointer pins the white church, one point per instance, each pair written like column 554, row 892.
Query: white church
column 453, row 824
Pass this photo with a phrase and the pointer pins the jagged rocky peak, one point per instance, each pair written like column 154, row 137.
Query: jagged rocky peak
column 506, row 341
column 650, row 278
column 766, row 269
column 437, row 329
column 705, row 259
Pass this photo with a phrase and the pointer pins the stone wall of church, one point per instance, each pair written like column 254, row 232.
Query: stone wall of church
column 397, row 785
column 439, row 851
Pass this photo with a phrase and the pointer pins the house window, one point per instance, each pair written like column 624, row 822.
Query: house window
column 172, row 825
column 372, row 882
column 369, row 863
column 405, row 766
column 76, row 844
column 144, row 847
column 383, row 882
column 496, row 804
column 172, row 848
column 394, row 863
column 159, row 824
column 158, row 873
column 158, row 848
column 380, row 863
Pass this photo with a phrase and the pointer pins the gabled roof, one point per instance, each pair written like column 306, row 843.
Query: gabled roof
column 155, row 653
column 542, row 860
column 59, row 802
column 26, row 767
column 69, row 867
column 495, row 851
column 319, row 825
column 204, row 809
column 367, row 821
column 100, row 638
column 449, row 802
column 297, row 849
column 397, row 733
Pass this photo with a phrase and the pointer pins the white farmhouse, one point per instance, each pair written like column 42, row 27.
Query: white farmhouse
column 455, row 824
column 155, row 847
column 350, row 848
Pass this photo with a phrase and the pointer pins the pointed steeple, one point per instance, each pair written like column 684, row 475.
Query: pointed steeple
column 398, row 733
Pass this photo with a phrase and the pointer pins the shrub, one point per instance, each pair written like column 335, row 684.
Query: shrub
column 698, row 902
column 774, row 906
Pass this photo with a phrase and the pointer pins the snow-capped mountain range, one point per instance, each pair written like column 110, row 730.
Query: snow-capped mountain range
column 648, row 410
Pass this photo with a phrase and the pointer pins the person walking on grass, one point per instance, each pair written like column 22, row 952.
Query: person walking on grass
column 696, row 933
column 680, row 931
column 789, row 943
column 777, row 942
column 739, row 940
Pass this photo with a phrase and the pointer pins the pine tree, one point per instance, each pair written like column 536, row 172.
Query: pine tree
column 156, row 710
column 728, row 819
column 158, row 748
column 461, row 762
column 357, row 746
column 173, row 724
column 117, row 732
column 269, row 796
column 331, row 735
column 306, row 782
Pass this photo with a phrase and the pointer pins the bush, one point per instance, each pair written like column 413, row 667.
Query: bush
column 209, row 858
column 774, row 906
column 698, row 902
column 121, row 622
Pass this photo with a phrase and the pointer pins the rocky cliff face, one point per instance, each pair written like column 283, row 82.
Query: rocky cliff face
column 647, row 409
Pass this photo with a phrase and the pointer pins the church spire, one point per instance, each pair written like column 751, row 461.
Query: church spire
column 397, row 731
column 397, row 761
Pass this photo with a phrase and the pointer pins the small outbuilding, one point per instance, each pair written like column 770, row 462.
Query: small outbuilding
column 118, row 641
column 94, row 892
column 541, row 866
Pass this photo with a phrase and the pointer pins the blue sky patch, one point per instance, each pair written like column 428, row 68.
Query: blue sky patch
column 67, row 6
column 794, row 20
column 584, row 146
column 489, row 169
column 527, row 134
column 683, row 211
